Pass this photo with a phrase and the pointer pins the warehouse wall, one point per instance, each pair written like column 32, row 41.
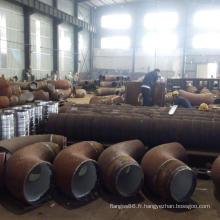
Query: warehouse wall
column 41, row 45
column 170, row 64
column 66, row 54
column 41, row 41
column 11, row 39
column 84, row 40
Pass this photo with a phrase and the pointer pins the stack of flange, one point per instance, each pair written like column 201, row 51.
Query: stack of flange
column 7, row 125
column 38, row 116
column 22, row 122
column 50, row 107
column 31, row 111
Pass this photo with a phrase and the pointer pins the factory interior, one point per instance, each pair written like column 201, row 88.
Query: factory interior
column 109, row 109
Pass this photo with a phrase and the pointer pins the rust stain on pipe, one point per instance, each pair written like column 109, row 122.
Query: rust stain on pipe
column 120, row 171
column 166, row 174
column 28, row 173
column 75, row 168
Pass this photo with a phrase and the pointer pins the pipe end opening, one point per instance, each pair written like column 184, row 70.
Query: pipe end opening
column 129, row 180
column 38, row 182
column 182, row 185
column 84, row 179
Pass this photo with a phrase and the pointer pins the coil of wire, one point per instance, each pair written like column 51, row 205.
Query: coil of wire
column 31, row 111
column 22, row 123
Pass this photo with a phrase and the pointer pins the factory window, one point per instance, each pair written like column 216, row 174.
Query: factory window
column 207, row 29
column 3, row 41
column 161, row 36
column 115, row 42
column 208, row 19
column 207, row 41
column 117, row 21
column 163, row 42
column 161, row 21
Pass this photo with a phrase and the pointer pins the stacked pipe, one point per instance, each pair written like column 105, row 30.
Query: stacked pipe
column 111, row 85
column 153, row 126
column 88, row 85
column 11, row 94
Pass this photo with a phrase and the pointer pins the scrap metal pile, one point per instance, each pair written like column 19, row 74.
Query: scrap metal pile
column 193, row 128
column 124, row 169
column 19, row 93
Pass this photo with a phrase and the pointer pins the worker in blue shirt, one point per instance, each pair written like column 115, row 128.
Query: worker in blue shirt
column 180, row 101
column 147, row 86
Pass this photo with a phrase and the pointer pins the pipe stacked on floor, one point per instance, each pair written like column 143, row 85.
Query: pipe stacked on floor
column 166, row 174
column 75, row 168
column 29, row 174
column 153, row 126
column 120, row 171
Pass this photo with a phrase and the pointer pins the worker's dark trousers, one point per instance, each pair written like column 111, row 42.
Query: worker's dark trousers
column 146, row 93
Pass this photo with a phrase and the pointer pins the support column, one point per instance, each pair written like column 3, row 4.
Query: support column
column 27, row 39
column 75, row 40
column 55, row 42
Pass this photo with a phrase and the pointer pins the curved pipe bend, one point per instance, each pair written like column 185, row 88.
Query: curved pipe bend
column 28, row 173
column 12, row 145
column 166, row 174
column 120, row 171
column 215, row 173
column 75, row 168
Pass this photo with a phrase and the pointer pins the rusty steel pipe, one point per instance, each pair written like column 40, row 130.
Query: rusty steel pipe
column 60, row 84
column 197, row 99
column 215, row 173
column 109, row 84
column 4, row 102
column 29, row 174
column 189, row 127
column 80, row 93
column 60, row 94
column 16, row 90
column 38, row 85
column 107, row 100
column 75, row 168
column 121, row 172
column 109, row 91
column 41, row 95
column 12, row 145
column 3, row 83
column 13, row 100
column 166, row 174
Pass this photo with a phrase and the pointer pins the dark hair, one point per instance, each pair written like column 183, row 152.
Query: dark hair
column 157, row 70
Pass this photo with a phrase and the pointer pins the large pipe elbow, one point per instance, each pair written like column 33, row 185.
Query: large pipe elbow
column 215, row 173
column 29, row 174
column 120, row 171
column 12, row 145
column 75, row 168
column 166, row 174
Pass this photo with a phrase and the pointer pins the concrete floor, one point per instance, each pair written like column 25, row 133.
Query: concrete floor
column 99, row 208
